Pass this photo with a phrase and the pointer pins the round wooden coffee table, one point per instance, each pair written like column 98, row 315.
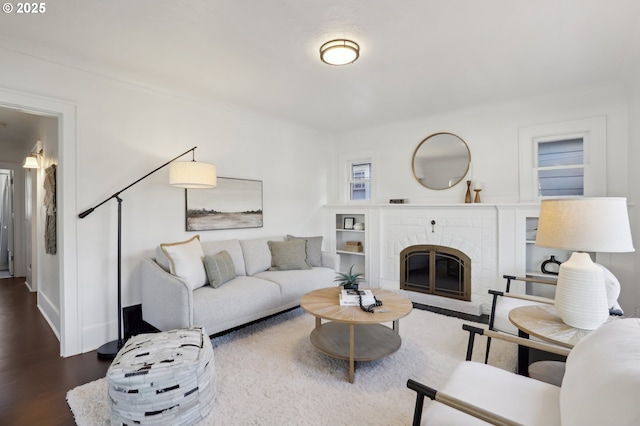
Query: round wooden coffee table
column 351, row 333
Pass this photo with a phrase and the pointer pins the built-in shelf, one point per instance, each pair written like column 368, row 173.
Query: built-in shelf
column 355, row 253
column 347, row 258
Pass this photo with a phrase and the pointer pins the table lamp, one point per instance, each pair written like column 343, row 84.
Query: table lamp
column 599, row 224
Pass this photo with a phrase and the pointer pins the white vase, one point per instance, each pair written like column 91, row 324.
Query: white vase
column 581, row 297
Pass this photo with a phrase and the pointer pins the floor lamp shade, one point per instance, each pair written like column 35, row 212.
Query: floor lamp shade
column 192, row 174
column 583, row 225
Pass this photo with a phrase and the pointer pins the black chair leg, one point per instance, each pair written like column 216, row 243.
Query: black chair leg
column 486, row 355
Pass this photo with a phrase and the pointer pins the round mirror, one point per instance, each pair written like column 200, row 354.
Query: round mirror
column 441, row 161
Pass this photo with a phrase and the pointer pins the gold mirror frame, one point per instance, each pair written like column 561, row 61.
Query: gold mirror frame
column 438, row 148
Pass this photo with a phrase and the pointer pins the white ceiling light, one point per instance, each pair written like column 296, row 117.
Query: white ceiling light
column 339, row 52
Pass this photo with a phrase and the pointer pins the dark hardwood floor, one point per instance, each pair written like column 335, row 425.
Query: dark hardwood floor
column 34, row 379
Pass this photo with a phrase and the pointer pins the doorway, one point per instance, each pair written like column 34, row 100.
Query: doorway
column 58, row 300
column 6, row 223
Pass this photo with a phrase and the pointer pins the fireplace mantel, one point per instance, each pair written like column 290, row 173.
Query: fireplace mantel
column 492, row 235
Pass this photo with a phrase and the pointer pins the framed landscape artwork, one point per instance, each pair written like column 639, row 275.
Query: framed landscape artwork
column 232, row 204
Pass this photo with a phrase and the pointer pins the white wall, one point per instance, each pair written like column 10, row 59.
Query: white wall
column 46, row 267
column 123, row 132
column 633, row 292
column 491, row 132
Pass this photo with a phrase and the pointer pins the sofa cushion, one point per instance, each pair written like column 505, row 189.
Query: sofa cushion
column 219, row 268
column 288, row 255
column 185, row 261
column 491, row 388
column 242, row 300
column 602, row 377
column 230, row 246
column 294, row 284
column 257, row 256
column 314, row 249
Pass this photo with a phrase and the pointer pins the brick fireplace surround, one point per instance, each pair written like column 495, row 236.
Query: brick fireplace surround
column 470, row 229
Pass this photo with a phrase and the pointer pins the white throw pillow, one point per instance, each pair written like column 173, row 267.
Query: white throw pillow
column 602, row 377
column 186, row 261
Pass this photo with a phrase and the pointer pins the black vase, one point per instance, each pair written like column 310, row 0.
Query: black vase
column 543, row 267
column 351, row 286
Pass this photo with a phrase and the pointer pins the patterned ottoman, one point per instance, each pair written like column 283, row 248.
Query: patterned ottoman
column 163, row 378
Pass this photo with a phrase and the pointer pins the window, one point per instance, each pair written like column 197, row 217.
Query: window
column 565, row 159
column 561, row 167
column 360, row 181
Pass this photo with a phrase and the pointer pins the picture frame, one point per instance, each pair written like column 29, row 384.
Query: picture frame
column 349, row 222
column 232, row 204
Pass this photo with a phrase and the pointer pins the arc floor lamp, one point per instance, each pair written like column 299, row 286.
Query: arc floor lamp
column 182, row 174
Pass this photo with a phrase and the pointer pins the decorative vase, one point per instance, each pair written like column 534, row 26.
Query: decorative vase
column 467, row 197
column 477, row 199
column 543, row 267
column 581, row 297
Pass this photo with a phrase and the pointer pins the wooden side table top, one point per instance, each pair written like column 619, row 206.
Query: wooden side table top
column 325, row 303
column 543, row 322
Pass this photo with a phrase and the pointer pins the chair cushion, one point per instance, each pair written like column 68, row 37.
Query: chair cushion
column 503, row 306
column 185, row 261
column 602, row 378
column 521, row 399
column 219, row 268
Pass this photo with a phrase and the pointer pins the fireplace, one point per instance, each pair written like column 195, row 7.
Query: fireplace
column 437, row 270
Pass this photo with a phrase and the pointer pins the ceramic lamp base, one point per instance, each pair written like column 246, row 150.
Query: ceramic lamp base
column 581, row 297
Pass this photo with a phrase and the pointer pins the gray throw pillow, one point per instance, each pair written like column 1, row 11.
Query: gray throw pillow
column 219, row 268
column 314, row 249
column 288, row 255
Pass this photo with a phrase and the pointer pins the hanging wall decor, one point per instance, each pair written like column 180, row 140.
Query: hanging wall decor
column 50, row 233
column 234, row 203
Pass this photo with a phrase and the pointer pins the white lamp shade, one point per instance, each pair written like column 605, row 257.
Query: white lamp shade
column 599, row 224
column 192, row 174
column 31, row 162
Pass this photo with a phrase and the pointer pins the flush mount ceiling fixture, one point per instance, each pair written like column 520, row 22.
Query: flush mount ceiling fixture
column 339, row 52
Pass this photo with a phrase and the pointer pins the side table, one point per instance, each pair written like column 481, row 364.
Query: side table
column 543, row 322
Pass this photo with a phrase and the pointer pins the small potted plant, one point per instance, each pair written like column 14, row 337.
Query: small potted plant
column 349, row 280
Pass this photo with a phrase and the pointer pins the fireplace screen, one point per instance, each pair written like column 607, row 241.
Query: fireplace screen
column 437, row 270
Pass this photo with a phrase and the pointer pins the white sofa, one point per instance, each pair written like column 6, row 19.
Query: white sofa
column 171, row 300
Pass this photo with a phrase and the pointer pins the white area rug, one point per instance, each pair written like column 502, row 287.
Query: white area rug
column 270, row 374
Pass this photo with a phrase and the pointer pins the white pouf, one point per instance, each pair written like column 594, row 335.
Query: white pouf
column 163, row 378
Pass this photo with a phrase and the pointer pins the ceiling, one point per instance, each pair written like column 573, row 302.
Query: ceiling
column 418, row 57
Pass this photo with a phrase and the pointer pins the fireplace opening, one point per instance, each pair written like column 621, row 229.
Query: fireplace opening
column 437, row 270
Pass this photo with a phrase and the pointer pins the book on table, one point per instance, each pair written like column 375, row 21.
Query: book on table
column 350, row 297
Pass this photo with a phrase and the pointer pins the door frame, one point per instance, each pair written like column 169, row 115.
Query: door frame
column 70, row 293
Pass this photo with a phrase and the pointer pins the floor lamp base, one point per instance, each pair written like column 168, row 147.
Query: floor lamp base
column 109, row 350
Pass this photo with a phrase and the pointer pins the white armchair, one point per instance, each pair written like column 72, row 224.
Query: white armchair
column 600, row 386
